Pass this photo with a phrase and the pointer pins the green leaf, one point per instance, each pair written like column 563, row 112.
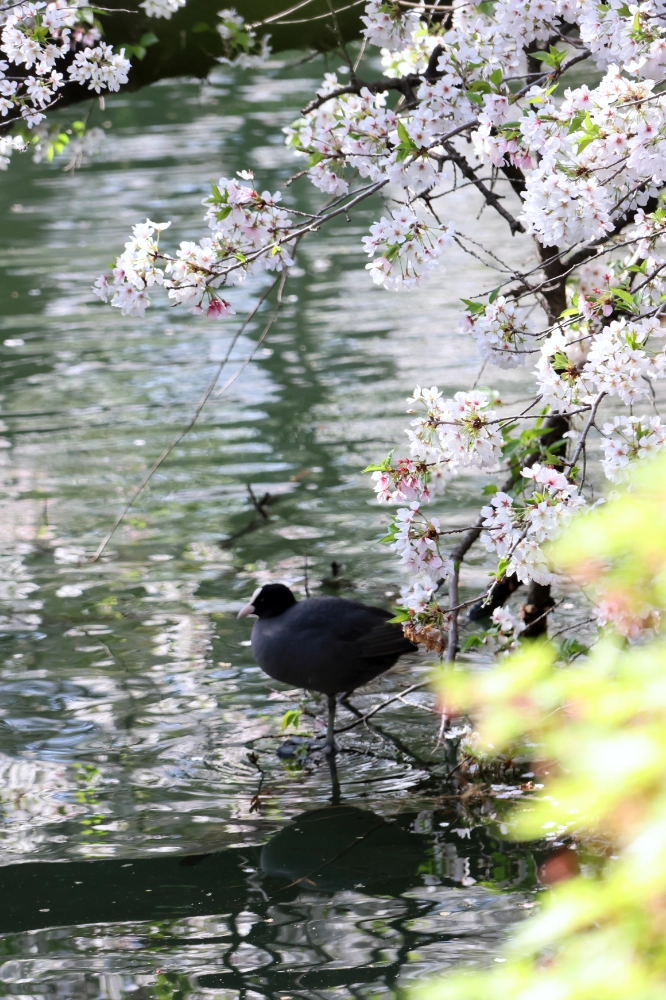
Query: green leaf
column 489, row 489
column 291, row 718
column 576, row 121
column 407, row 144
column 149, row 39
column 496, row 77
column 200, row 27
column 493, row 295
column 474, row 307
column 502, row 567
column 479, row 87
column 137, row 51
column 472, row 642
column 554, row 57
column 585, row 142
column 402, row 615
column 624, row 296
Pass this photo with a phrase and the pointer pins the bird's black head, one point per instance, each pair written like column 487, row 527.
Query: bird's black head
column 269, row 601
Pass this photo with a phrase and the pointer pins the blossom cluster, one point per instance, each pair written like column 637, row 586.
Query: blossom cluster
column 249, row 230
column 37, row 41
column 618, row 359
column 406, row 249
column 161, row 8
column 417, row 543
column 386, row 25
column 350, row 130
column 618, row 362
column 501, row 329
column 241, row 45
column 627, row 438
column 410, row 480
column 457, row 431
column 516, row 533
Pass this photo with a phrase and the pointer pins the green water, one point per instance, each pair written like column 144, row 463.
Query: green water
column 145, row 853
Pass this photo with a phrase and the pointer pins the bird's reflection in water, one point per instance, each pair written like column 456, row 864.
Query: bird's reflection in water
column 341, row 899
column 341, row 848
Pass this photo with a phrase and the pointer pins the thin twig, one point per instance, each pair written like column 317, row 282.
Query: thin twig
column 586, row 429
column 491, row 198
column 195, row 416
column 378, row 708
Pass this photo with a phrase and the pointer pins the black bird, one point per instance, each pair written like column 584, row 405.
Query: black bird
column 322, row 644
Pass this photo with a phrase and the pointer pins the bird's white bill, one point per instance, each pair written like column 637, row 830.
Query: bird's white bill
column 249, row 607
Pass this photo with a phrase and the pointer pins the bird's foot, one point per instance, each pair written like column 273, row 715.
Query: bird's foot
column 300, row 747
column 296, row 748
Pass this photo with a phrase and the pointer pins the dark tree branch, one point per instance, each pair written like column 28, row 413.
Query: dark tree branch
column 491, row 198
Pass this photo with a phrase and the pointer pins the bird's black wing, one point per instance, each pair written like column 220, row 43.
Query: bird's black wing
column 385, row 639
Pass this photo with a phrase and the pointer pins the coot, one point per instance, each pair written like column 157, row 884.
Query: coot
column 322, row 644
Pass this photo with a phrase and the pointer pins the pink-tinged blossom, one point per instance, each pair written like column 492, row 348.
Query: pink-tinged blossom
column 546, row 475
column 618, row 610
column 219, row 308
column 410, row 480
column 416, row 598
column 466, row 433
column 507, row 622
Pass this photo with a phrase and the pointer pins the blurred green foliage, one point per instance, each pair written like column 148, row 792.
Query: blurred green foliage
column 600, row 724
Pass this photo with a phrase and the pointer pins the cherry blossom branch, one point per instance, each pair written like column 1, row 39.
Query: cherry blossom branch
column 490, row 197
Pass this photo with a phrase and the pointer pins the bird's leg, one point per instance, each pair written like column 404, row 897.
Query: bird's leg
column 344, row 700
column 329, row 746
